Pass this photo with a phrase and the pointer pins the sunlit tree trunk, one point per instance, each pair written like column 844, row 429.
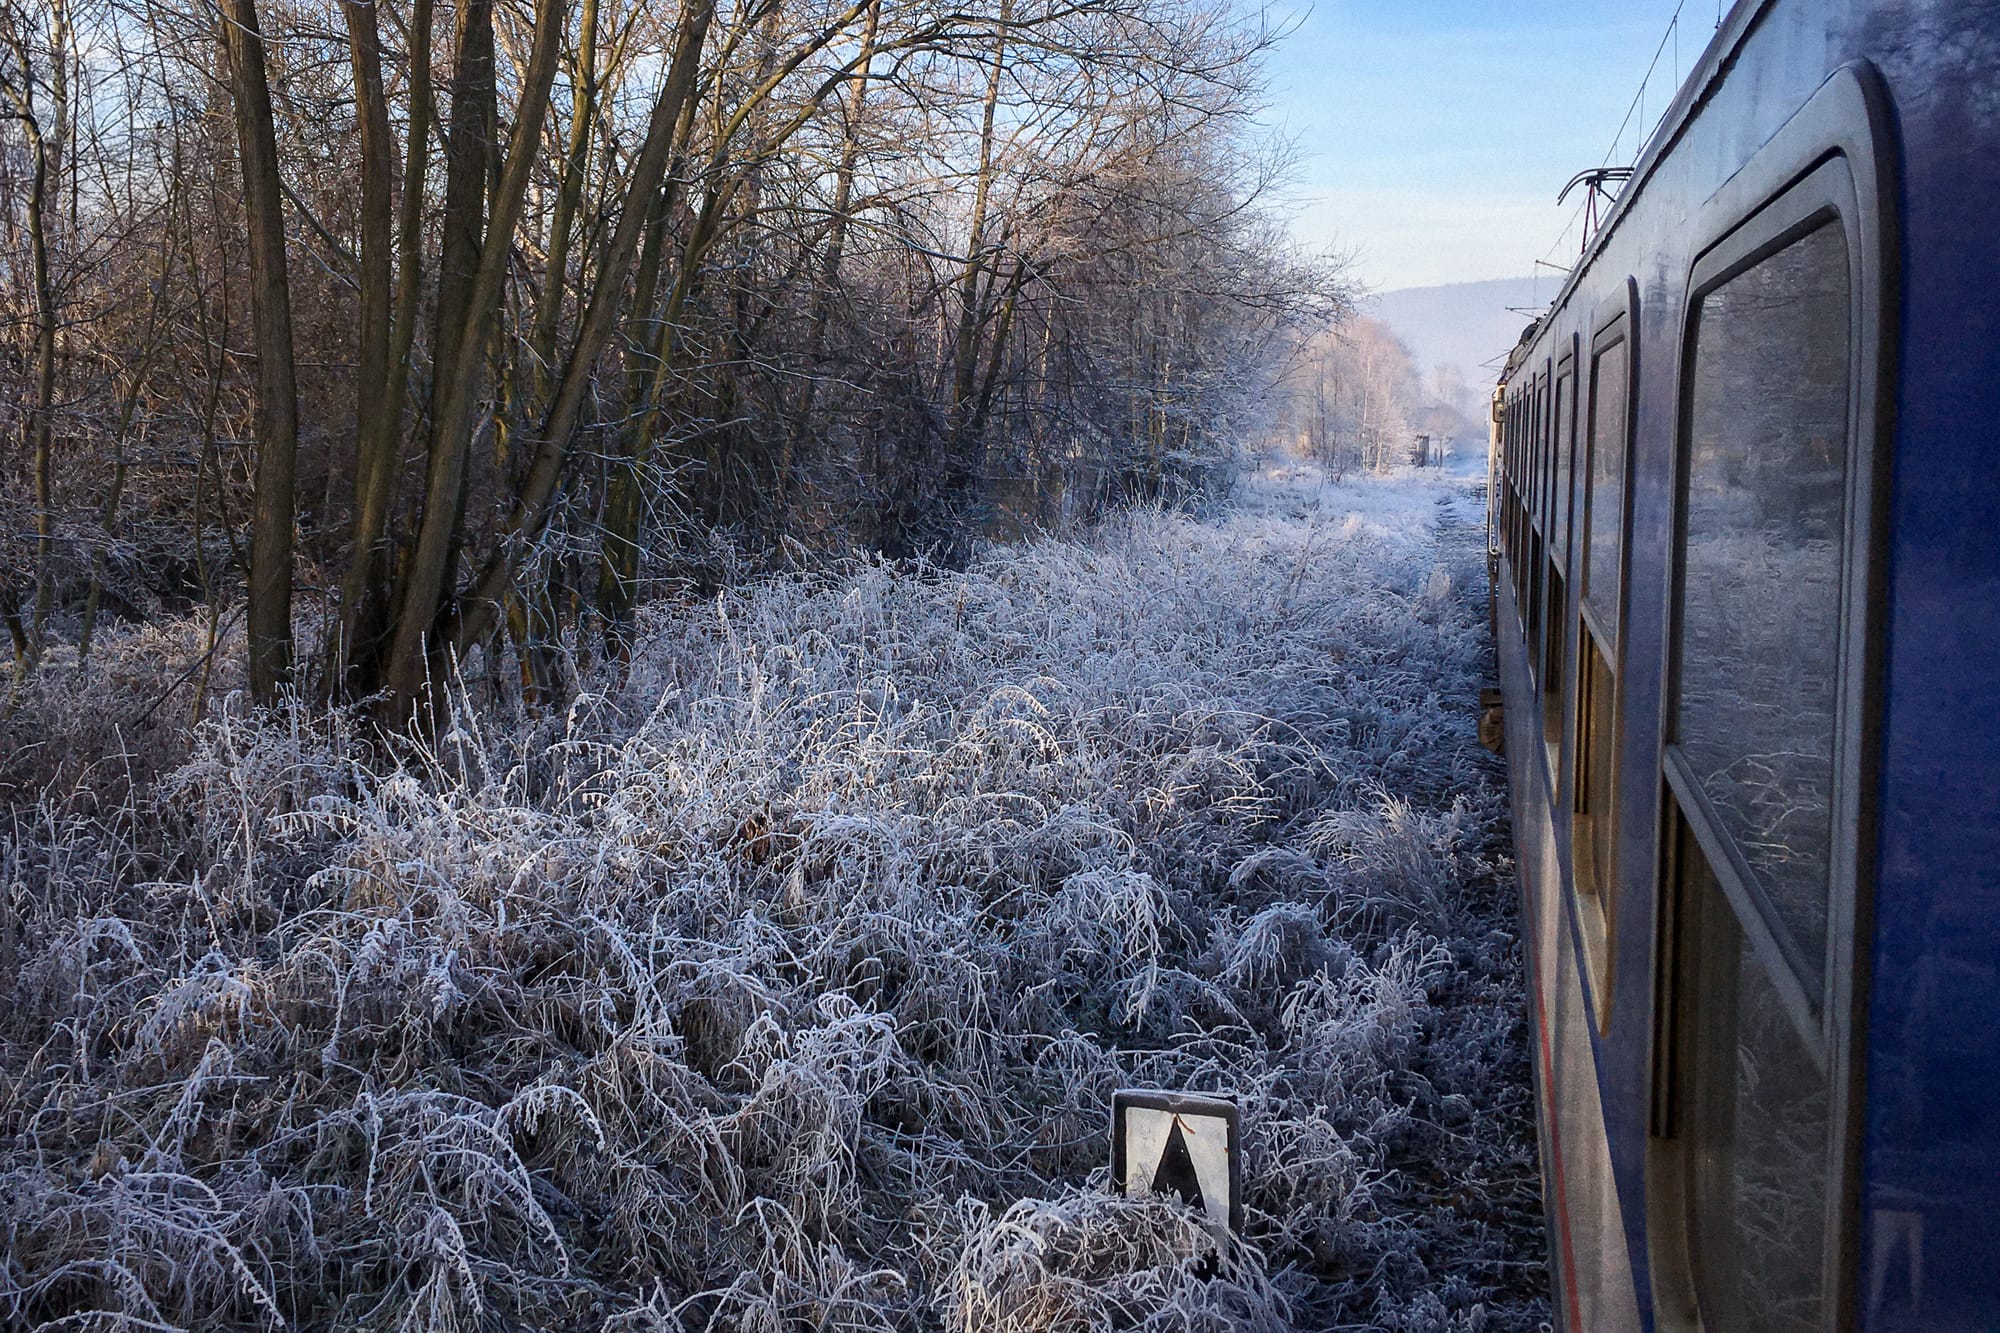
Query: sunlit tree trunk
column 45, row 133
column 618, row 560
column 367, row 593
column 973, row 285
column 569, row 196
column 827, row 290
column 375, row 429
column 474, row 300
column 41, row 415
column 270, row 605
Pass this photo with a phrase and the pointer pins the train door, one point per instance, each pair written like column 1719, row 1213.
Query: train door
column 1757, row 1090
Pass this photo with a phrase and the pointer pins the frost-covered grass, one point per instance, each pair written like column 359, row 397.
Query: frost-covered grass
column 785, row 984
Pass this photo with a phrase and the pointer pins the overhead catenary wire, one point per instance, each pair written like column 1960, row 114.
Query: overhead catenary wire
column 1548, row 255
column 1669, row 41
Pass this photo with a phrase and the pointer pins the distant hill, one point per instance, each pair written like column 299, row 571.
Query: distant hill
column 1465, row 324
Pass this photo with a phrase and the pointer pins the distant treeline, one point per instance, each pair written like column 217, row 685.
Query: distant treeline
column 1356, row 399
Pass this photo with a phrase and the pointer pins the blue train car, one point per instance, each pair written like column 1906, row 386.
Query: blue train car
column 1746, row 515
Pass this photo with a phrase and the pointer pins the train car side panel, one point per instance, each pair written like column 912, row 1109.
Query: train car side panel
column 1930, row 1210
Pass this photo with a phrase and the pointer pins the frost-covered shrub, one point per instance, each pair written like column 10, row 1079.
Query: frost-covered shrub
column 1088, row 1260
column 783, row 983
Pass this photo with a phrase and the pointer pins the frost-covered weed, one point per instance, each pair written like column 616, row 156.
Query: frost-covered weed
column 783, row 984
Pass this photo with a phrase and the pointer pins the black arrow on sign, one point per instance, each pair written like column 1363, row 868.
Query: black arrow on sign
column 1176, row 1174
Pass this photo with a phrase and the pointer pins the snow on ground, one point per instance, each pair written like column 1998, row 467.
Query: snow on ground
column 785, row 985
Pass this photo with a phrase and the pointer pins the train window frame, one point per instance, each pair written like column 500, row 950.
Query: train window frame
column 1615, row 321
column 1513, row 495
column 1523, row 477
column 1594, row 899
column 1538, row 537
column 1535, row 450
column 1519, row 556
column 1556, row 657
column 1510, row 504
column 1544, row 420
column 1544, row 447
column 1567, row 362
column 1516, row 509
column 1833, row 161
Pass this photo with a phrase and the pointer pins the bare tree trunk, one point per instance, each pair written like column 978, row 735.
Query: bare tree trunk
column 532, row 614
column 128, row 408
column 618, row 542
column 270, row 613
column 377, row 169
column 619, row 546
column 459, row 371
column 975, row 287
column 996, row 358
column 45, row 145
column 462, row 228
column 569, row 195
column 971, row 299
column 365, row 595
column 374, row 433
column 41, row 417
column 108, row 515
column 531, row 504
column 836, row 245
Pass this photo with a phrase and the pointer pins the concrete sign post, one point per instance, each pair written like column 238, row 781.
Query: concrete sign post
column 1180, row 1144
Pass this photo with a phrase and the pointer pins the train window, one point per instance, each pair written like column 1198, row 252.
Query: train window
column 1604, row 499
column 1521, row 505
column 1553, row 467
column 1531, row 579
column 1553, row 682
column 1593, row 846
column 1514, row 491
column 1759, row 1114
column 1522, row 489
column 1541, row 451
column 1565, row 460
column 1538, row 436
column 1507, row 474
column 1532, row 487
column 1761, row 573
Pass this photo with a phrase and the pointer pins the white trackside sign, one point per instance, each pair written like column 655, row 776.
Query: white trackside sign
column 1180, row 1144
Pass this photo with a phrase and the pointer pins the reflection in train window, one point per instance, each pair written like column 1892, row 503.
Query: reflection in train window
column 1760, row 610
column 1758, row 1103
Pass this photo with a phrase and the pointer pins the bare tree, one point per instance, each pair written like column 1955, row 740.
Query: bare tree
column 270, row 602
column 537, row 289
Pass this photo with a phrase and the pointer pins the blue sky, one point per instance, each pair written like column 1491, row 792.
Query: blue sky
column 1433, row 135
